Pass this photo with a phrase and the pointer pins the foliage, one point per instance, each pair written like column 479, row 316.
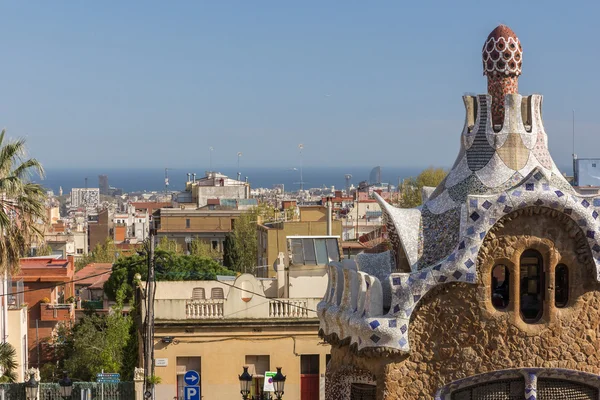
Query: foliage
column 411, row 190
column 45, row 300
column 169, row 266
column 154, row 380
column 50, row 372
column 43, row 250
column 200, row 248
column 8, row 363
column 106, row 252
column 98, row 343
column 244, row 237
column 169, row 245
column 231, row 257
column 21, row 202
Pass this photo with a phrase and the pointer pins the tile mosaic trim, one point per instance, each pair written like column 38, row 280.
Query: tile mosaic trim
column 368, row 327
column 530, row 376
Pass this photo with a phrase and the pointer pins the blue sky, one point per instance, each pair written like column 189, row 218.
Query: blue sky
column 155, row 84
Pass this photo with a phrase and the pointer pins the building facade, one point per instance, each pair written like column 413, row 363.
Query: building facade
column 218, row 327
column 48, row 292
column 491, row 290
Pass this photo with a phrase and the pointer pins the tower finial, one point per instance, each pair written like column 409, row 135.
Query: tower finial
column 502, row 57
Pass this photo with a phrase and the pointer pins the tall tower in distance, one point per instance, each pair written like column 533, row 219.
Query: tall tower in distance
column 103, row 184
column 502, row 57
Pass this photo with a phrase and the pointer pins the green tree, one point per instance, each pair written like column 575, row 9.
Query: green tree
column 200, row 248
column 21, row 202
column 8, row 363
column 231, row 257
column 43, row 250
column 411, row 190
column 170, row 245
column 99, row 343
column 106, row 252
column 244, row 236
column 169, row 266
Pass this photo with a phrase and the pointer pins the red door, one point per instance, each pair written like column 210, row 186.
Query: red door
column 309, row 387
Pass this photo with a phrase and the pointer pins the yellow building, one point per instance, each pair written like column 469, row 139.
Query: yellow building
column 272, row 237
column 185, row 225
column 217, row 327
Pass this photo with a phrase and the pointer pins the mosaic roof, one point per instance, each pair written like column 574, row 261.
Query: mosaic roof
column 502, row 52
column 498, row 170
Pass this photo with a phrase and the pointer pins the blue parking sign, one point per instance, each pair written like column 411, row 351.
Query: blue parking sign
column 192, row 393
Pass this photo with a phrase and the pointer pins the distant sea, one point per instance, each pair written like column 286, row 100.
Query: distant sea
column 153, row 179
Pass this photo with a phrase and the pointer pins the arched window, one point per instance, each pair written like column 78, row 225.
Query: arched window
column 532, row 286
column 561, row 293
column 217, row 293
column 198, row 293
column 500, row 286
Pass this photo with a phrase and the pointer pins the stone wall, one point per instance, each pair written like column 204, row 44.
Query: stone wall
column 456, row 332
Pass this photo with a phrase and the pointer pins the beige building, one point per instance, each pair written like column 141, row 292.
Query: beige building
column 185, row 225
column 217, row 327
column 17, row 337
column 273, row 236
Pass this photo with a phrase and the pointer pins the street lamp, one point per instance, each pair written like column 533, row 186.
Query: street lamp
column 66, row 386
column 245, row 383
column 278, row 383
column 31, row 387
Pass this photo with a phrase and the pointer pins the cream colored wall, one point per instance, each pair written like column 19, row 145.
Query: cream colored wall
column 183, row 289
column 222, row 361
column 17, row 337
column 307, row 281
column 172, row 297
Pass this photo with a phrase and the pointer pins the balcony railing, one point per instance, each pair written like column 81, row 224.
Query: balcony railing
column 288, row 308
column 219, row 309
column 204, row 309
column 57, row 312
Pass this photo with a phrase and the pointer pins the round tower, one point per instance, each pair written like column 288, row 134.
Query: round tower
column 502, row 56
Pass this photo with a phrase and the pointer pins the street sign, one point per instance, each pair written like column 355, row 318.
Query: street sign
column 191, row 378
column 191, row 393
column 108, row 378
column 268, row 386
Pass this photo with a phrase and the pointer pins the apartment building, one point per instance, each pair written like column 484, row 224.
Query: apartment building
column 48, row 289
column 218, row 327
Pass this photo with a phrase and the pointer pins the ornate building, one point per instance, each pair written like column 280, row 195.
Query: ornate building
column 491, row 290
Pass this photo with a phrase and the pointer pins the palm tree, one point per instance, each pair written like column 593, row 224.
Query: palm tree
column 22, row 205
column 8, row 365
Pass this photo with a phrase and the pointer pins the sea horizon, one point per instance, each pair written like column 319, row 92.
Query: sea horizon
column 153, row 179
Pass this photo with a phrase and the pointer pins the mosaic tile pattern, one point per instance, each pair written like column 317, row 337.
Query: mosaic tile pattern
column 530, row 376
column 496, row 172
column 367, row 326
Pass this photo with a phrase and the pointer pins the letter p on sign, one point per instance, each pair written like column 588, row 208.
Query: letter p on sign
column 192, row 393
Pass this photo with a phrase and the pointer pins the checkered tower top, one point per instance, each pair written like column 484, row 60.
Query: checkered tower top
column 502, row 53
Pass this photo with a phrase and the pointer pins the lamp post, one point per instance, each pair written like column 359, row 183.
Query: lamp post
column 66, row 386
column 278, row 383
column 245, row 383
column 31, row 388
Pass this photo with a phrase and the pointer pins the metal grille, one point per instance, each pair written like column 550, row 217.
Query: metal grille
column 509, row 389
column 558, row 389
column 361, row 391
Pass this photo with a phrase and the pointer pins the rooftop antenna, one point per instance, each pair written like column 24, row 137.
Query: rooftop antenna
column 575, row 172
column 210, row 157
column 301, row 147
column 166, row 180
column 86, row 182
column 348, row 177
column 239, row 154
